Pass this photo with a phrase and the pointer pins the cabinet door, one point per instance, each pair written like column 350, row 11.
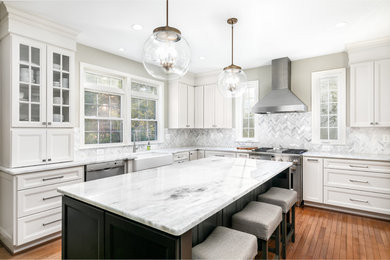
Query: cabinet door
column 59, row 145
column 182, row 109
column 198, row 107
column 382, row 93
column 313, row 179
column 193, row 155
column 219, row 108
column 190, row 106
column 28, row 83
column 362, row 94
column 28, row 147
column 60, row 87
column 209, row 106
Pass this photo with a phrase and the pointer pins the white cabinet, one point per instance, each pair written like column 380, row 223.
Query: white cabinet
column 198, row 106
column 201, row 154
column 181, row 105
column 193, row 155
column 370, row 89
column 217, row 109
column 243, row 155
column 40, row 146
column 313, row 179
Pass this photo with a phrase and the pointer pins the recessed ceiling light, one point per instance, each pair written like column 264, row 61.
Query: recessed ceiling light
column 202, row 58
column 341, row 24
column 121, row 49
column 137, row 27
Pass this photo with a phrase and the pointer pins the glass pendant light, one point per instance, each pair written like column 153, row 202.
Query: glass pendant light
column 166, row 53
column 232, row 81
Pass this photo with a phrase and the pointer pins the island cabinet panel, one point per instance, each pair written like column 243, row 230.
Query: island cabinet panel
column 82, row 230
column 125, row 239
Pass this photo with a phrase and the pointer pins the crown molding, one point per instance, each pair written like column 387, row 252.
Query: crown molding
column 364, row 51
column 362, row 45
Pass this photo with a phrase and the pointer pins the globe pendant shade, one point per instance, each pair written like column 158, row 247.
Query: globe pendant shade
column 166, row 55
column 232, row 82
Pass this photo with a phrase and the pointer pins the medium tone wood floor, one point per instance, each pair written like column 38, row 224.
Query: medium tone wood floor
column 320, row 234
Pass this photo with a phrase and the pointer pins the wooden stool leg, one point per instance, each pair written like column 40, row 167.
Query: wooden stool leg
column 293, row 223
column 284, row 235
column 277, row 242
column 264, row 249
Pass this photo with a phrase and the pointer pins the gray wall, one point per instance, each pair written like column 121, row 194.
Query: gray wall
column 300, row 74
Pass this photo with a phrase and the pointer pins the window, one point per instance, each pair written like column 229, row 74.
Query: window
column 119, row 108
column 102, row 113
column 328, row 105
column 245, row 120
column 145, row 101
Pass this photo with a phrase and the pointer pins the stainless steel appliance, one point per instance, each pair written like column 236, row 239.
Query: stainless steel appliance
column 104, row 170
column 280, row 99
column 285, row 155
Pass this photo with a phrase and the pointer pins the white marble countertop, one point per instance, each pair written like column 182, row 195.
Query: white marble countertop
column 193, row 148
column 354, row 156
column 175, row 198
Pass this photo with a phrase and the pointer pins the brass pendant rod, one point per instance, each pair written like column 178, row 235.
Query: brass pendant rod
column 232, row 44
column 167, row 13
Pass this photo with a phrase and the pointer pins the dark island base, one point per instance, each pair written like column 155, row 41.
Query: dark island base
column 89, row 232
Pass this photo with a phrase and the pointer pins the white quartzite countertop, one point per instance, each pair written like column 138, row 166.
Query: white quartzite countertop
column 176, row 198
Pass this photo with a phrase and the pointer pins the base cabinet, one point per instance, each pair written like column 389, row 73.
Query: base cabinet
column 91, row 233
column 313, row 179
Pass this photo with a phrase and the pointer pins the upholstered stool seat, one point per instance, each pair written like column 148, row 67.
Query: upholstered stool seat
column 226, row 243
column 285, row 199
column 262, row 220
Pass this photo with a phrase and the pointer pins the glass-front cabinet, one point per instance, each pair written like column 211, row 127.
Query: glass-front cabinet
column 44, row 84
column 59, row 87
column 29, row 84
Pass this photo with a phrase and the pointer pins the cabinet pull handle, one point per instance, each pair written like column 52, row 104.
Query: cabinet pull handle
column 43, row 160
column 52, row 178
column 376, row 123
column 364, row 201
column 358, row 166
column 49, row 123
column 312, row 160
column 49, row 160
column 43, row 123
column 51, row 222
column 352, row 180
column 372, row 123
column 52, row 197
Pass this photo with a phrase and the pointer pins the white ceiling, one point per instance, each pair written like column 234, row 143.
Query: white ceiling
column 266, row 29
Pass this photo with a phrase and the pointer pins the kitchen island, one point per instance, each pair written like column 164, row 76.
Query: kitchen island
column 161, row 212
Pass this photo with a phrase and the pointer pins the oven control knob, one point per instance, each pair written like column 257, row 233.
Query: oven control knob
column 295, row 162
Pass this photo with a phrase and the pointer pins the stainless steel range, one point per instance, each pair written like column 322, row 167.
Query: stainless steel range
column 285, row 155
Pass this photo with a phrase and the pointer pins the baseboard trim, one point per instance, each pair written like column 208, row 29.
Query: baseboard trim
column 19, row 249
column 347, row 210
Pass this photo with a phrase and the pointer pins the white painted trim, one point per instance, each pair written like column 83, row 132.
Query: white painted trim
column 239, row 115
column 384, row 41
column 341, row 108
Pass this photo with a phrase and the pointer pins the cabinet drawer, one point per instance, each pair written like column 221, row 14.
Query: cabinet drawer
column 357, row 165
column 219, row 154
column 368, row 201
column 365, row 181
column 38, row 225
column 242, row 155
column 32, row 180
column 39, row 199
column 181, row 156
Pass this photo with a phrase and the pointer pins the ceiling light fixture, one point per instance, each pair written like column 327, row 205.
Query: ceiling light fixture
column 341, row 24
column 137, row 27
column 202, row 58
column 232, row 82
column 166, row 53
column 121, row 49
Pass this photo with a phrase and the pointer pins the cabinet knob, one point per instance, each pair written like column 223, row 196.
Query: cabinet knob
column 376, row 123
column 43, row 123
column 43, row 160
column 49, row 123
column 49, row 160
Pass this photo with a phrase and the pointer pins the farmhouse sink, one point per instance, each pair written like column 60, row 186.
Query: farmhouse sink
column 149, row 160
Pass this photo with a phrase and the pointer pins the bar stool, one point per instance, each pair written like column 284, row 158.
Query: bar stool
column 262, row 220
column 285, row 199
column 226, row 243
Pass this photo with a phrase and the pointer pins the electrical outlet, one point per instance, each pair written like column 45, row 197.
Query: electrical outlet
column 385, row 138
column 100, row 152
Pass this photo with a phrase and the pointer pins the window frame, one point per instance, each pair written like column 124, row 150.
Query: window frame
column 341, row 105
column 239, row 115
column 126, row 95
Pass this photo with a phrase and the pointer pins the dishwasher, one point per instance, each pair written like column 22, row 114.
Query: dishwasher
column 103, row 170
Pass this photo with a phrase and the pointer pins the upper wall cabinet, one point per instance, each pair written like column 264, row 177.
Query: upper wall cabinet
column 181, row 105
column 370, row 89
column 217, row 110
column 42, row 84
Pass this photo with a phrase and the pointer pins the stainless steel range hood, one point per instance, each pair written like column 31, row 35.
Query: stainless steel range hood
column 280, row 99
